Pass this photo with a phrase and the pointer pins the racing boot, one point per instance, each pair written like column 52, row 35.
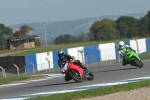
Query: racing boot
column 77, row 62
column 62, row 70
column 124, row 62
column 82, row 66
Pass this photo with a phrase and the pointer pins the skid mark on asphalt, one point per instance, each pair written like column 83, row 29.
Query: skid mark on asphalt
column 78, row 88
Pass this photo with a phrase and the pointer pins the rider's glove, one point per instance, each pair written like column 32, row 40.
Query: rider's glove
column 71, row 60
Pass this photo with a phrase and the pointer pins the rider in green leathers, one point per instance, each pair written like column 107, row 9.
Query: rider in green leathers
column 122, row 47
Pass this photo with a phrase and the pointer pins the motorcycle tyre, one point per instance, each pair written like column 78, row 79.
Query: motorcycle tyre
column 67, row 77
column 138, row 63
column 73, row 77
column 90, row 75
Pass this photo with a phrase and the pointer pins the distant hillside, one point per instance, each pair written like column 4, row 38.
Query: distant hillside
column 74, row 27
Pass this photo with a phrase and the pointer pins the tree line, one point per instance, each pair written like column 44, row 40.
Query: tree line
column 6, row 33
column 101, row 30
column 108, row 29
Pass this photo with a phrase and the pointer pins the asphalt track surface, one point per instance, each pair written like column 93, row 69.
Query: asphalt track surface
column 102, row 75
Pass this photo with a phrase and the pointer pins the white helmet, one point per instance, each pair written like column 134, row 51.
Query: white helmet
column 121, row 44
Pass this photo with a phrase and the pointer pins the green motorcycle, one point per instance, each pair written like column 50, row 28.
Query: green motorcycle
column 132, row 58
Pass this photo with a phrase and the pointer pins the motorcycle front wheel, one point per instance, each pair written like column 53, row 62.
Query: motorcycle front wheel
column 75, row 75
column 138, row 63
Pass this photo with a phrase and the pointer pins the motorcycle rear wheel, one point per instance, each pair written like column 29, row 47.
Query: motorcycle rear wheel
column 90, row 75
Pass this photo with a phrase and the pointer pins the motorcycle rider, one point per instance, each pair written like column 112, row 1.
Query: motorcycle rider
column 122, row 47
column 63, row 57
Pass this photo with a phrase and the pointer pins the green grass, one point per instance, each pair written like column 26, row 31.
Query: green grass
column 145, row 55
column 94, row 92
column 56, row 47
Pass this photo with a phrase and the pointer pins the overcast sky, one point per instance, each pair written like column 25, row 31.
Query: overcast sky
column 27, row 11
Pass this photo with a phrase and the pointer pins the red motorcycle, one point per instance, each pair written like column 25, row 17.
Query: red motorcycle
column 75, row 72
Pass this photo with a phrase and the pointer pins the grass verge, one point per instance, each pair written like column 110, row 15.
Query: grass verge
column 145, row 55
column 95, row 92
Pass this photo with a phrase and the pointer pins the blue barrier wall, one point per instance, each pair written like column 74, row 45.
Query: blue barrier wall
column 91, row 54
column 148, row 44
column 28, row 59
column 55, row 58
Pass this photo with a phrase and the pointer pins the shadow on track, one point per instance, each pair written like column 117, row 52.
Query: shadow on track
column 116, row 70
column 51, row 84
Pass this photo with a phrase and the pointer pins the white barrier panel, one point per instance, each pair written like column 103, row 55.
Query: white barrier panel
column 77, row 52
column 133, row 44
column 141, row 45
column 42, row 61
column 107, row 51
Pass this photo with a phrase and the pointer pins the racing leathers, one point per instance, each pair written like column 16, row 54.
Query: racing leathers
column 124, row 62
column 62, row 61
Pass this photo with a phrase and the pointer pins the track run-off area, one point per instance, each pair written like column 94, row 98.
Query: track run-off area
column 55, row 83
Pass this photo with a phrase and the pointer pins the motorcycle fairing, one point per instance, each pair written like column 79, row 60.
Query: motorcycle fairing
column 75, row 67
column 129, row 55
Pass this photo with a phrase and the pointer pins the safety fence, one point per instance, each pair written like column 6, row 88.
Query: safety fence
column 94, row 55
column 12, row 65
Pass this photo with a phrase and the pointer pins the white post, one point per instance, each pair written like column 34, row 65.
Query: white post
column 81, row 51
column 33, row 67
column 25, row 69
column 99, row 55
column 3, row 71
column 48, row 63
column 17, row 69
